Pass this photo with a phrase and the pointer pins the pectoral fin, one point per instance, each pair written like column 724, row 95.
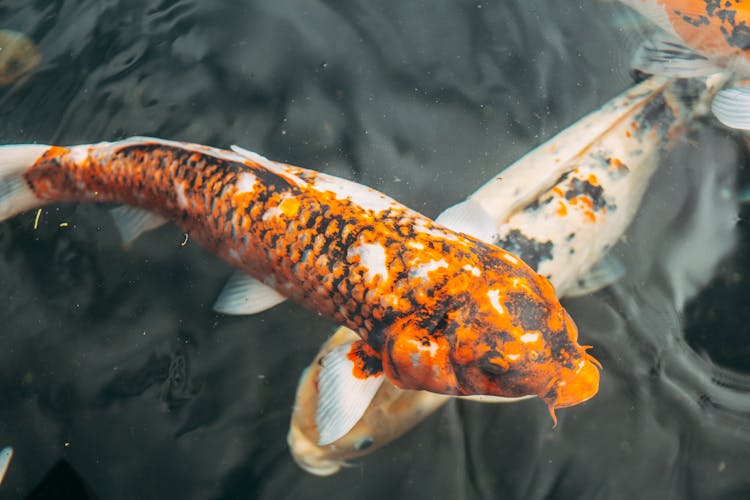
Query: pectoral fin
column 5, row 455
column 246, row 295
column 732, row 107
column 470, row 218
column 608, row 270
column 132, row 222
column 663, row 54
column 494, row 399
column 349, row 378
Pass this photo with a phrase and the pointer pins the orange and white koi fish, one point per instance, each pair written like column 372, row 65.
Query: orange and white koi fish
column 560, row 208
column 699, row 38
column 436, row 309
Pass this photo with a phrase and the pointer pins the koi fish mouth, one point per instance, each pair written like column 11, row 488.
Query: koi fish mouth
column 310, row 457
column 574, row 386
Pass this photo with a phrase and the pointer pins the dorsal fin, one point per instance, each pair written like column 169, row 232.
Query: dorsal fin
column 269, row 165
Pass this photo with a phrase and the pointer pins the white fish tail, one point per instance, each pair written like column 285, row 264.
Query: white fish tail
column 15, row 194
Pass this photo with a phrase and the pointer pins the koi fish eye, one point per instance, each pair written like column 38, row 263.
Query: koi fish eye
column 494, row 363
column 363, row 443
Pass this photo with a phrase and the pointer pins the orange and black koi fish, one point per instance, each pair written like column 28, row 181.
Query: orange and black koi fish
column 436, row 309
column 699, row 38
column 561, row 208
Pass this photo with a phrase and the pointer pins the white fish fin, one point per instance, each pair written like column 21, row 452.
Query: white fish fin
column 268, row 164
column 608, row 270
column 471, row 218
column 5, row 455
column 246, row 295
column 133, row 222
column 732, row 107
column 663, row 54
column 15, row 194
column 494, row 399
column 343, row 398
column 223, row 154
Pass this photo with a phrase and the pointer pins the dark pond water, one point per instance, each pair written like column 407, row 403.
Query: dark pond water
column 118, row 381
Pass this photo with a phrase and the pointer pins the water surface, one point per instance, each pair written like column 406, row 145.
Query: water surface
column 117, row 379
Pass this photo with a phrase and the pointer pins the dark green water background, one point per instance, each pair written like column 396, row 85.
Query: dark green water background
column 117, row 377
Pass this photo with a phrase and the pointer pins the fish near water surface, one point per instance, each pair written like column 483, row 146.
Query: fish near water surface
column 699, row 38
column 18, row 57
column 393, row 412
column 560, row 208
column 436, row 309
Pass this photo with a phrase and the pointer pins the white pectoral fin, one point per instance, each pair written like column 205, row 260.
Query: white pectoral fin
column 5, row 455
column 132, row 222
column 664, row 54
column 607, row 271
column 494, row 399
column 343, row 398
column 246, row 295
column 732, row 107
column 469, row 217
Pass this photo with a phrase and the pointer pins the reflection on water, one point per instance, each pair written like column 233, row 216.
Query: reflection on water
column 115, row 366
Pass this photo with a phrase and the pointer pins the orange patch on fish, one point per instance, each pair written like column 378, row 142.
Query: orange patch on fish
column 709, row 26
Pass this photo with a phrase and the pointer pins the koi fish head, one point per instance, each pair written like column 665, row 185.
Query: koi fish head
column 532, row 350
column 502, row 332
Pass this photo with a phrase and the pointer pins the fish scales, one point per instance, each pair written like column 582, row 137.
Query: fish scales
column 437, row 309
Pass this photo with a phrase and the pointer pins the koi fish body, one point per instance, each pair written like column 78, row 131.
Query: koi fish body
column 700, row 38
column 560, row 208
column 436, row 309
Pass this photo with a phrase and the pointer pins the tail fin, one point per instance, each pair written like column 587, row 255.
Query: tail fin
column 15, row 194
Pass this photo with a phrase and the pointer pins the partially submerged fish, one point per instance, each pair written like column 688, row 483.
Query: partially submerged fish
column 436, row 309
column 18, row 56
column 700, row 38
column 560, row 208
column 393, row 411
column 6, row 454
